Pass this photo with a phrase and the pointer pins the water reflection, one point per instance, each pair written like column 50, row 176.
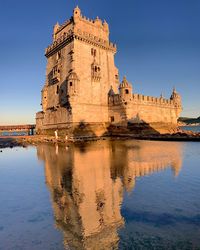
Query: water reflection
column 87, row 184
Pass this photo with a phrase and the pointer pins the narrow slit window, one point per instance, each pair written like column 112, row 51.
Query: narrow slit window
column 57, row 90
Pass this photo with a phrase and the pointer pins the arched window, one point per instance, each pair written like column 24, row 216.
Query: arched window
column 93, row 52
column 95, row 71
column 126, row 91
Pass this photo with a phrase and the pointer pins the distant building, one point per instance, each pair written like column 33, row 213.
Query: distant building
column 82, row 83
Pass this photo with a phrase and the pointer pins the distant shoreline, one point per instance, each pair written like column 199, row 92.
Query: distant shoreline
column 190, row 125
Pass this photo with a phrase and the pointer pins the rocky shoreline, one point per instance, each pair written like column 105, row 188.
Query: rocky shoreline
column 24, row 141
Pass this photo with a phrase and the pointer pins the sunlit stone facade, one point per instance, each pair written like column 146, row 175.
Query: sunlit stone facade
column 82, row 82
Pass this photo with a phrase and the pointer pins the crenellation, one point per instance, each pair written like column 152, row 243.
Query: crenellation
column 62, row 26
column 150, row 100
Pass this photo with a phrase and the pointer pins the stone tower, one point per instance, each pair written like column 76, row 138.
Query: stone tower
column 82, row 87
column 80, row 72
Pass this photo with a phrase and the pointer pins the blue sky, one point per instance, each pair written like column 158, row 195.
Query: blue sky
column 158, row 47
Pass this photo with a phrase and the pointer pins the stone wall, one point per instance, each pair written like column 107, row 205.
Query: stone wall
column 138, row 108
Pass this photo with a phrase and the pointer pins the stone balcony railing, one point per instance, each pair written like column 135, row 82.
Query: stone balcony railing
column 83, row 36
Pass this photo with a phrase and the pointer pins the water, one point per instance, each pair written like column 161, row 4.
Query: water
column 191, row 128
column 13, row 133
column 101, row 195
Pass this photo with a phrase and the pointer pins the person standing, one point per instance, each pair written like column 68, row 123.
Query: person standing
column 56, row 134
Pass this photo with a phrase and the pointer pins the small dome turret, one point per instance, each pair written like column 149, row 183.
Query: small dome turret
column 76, row 14
column 125, row 83
column 72, row 84
column 175, row 97
column 125, row 90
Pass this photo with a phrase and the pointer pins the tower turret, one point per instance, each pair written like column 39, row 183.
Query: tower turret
column 76, row 14
column 176, row 98
column 125, row 90
column 106, row 26
column 72, row 84
column 55, row 29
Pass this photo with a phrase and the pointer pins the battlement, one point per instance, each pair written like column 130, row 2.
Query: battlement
column 77, row 17
column 142, row 99
column 95, row 32
column 62, row 26
column 95, row 23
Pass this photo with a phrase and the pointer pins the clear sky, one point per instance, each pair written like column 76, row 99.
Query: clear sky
column 158, row 47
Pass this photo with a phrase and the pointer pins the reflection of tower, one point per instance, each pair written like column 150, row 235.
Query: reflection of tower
column 139, row 158
column 176, row 167
column 86, row 201
column 86, row 185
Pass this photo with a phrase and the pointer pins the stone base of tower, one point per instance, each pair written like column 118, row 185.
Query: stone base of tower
column 96, row 129
column 75, row 130
column 68, row 128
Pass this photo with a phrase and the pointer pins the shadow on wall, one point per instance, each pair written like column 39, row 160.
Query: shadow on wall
column 133, row 129
column 141, row 128
column 137, row 126
column 89, row 129
column 84, row 129
column 95, row 130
